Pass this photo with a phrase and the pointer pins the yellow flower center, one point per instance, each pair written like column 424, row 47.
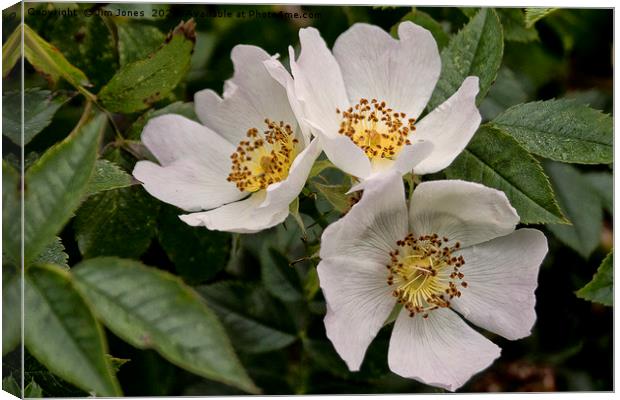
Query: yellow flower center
column 425, row 273
column 378, row 130
column 264, row 158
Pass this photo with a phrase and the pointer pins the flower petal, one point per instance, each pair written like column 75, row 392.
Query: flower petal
column 412, row 155
column 241, row 217
column 502, row 276
column 372, row 227
column 318, row 82
column 403, row 73
column 441, row 350
column 449, row 127
column 186, row 184
column 281, row 194
column 173, row 137
column 358, row 300
column 344, row 153
column 250, row 96
column 466, row 212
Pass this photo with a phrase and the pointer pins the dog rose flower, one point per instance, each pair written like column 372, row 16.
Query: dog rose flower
column 363, row 100
column 245, row 163
column 455, row 250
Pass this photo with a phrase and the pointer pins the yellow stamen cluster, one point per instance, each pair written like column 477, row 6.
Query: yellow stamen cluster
column 264, row 158
column 378, row 130
column 425, row 273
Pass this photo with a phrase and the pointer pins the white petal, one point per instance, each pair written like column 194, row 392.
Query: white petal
column 441, row 350
column 241, row 217
column 372, row 227
column 403, row 73
column 358, row 300
column 281, row 194
column 344, row 154
column 318, row 82
column 412, row 155
column 186, row 184
column 462, row 211
column 279, row 73
column 449, row 127
column 502, row 276
column 173, row 137
column 250, row 96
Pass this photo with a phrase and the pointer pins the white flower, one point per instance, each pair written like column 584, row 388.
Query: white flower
column 455, row 249
column 362, row 101
column 249, row 146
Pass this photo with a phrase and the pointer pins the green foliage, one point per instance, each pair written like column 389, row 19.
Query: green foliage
column 11, row 51
column 54, row 254
column 48, row 60
column 476, row 50
column 198, row 254
column 255, row 322
column 335, row 195
column 39, row 109
column 513, row 22
column 582, row 207
column 496, row 160
column 9, row 384
column 153, row 309
column 533, row 15
column 601, row 288
column 33, row 390
column 184, row 109
column 603, row 184
column 118, row 222
column 56, row 183
column 108, row 176
column 136, row 40
column 11, row 308
column 561, row 130
column 507, row 91
column 426, row 21
column 11, row 213
column 279, row 276
column 140, row 84
column 61, row 332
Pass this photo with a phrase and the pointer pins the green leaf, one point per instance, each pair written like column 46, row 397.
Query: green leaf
column 184, row 109
column 279, row 276
column 54, row 254
column 136, row 40
column 496, row 160
column 119, row 222
column 11, row 51
column 11, row 213
column 335, row 195
column 513, row 22
column 561, row 130
column 10, row 385
column 150, row 308
column 255, row 322
column 426, row 21
column 603, row 185
column 581, row 205
column 198, row 254
column 475, row 50
column 33, row 390
column 293, row 210
column 138, row 85
column 108, row 176
column 601, row 288
column 11, row 308
column 56, row 183
column 532, row 15
column 319, row 166
column 48, row 60
column 505, row 92
column 62, row 334
column 323, row 354
column 39, row 109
